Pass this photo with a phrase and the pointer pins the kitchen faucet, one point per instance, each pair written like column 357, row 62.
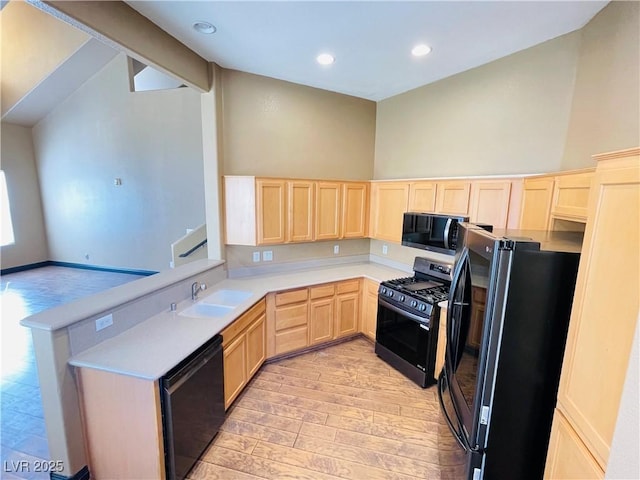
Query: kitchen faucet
column 195, row 289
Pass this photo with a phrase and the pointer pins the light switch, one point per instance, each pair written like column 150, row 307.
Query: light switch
column 267, row 256
column 256, row 257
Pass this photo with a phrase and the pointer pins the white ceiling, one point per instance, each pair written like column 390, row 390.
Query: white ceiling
column 371, row 40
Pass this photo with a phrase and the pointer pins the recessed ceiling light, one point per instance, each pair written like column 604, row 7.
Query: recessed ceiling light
column 325, row 59
column 204, row 27
column 420, row 50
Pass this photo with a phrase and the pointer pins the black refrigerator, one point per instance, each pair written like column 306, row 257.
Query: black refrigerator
column 498, row 398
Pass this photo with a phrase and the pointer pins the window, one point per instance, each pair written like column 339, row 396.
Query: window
column 6, row 228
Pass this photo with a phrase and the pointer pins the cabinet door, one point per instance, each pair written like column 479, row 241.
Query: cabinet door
column 568, row 458
column 453, row 198
column 536, row 203
column 235, row 369
column 571, row 195
column 271, row 212
column 256, row 338
column 355, row 210
column 369, row 308
column 347, row 310
column 605, row 306
column 389, row 203
column 321, row 320
column 328, row 210
column 422, row 197
column 490, row 203
column 300, row 211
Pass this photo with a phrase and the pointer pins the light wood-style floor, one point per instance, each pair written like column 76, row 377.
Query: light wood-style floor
column 340, row 412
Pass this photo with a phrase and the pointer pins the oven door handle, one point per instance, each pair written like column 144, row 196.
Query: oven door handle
column 409, row 315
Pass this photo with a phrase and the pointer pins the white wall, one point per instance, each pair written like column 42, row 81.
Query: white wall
column 19, row 165
column 151, row 140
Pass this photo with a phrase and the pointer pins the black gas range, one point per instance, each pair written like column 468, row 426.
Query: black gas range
column 409, row 319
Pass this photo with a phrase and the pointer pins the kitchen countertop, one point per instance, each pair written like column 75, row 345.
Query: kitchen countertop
column 154, row 346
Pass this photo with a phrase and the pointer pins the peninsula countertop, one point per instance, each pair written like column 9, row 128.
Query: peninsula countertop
column 154, row 346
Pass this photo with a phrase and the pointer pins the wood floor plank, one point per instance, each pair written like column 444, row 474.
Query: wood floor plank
column 404, row 422
column 341, row 399
column 325, row 464
column 292, row 372
column 257, row 382
column 310, row 404
column 265, row 419
column 318, row 431
column 372, row 458
column 308, row 365
column 258, row 466
column 258, row 432
column 233, row 441
column 209, row 471
column 287, row 411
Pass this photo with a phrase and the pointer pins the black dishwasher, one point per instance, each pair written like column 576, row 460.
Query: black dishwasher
column 192, row 407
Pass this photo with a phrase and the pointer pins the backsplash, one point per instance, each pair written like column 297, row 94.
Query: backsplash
column 398, row 254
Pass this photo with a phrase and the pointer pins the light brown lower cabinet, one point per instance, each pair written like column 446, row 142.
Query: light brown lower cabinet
column 568, row 457
column 369, row 308
column 122, row 422
column 244, row 350
column 321, row 313
column 347, row 308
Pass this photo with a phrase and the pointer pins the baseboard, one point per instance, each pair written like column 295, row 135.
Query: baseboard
column 83, row 474
column 22, row 268
column 53, row 263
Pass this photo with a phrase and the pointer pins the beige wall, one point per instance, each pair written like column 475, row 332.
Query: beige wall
column 33, row 45
column 19, row 165
column 509, row 116
column 152, row 141
column 276, row 128
column 605, row 115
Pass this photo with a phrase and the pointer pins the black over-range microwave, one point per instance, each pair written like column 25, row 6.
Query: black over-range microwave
column 438, row 233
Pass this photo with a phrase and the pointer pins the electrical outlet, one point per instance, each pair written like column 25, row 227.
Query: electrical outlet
column 256, row 257
column 336, row 249
column 385, row 249
column 267, row 256
column 104, row 322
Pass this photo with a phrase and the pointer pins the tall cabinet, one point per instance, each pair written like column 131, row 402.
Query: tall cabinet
column 603, row 322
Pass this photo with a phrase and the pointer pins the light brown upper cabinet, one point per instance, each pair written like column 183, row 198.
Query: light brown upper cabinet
column 536, row 203
column 355, row 209
column 422, row 197
column 490, row 203
column 300, row 201
column 266, row 211
column 453, row 197
column 389, row 201
column 328, row 210
column 570, row 198
column 605, row 308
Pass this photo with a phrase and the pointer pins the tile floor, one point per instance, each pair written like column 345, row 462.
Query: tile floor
column 23, row 434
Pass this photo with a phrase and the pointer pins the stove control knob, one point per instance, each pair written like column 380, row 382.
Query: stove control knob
column 390, row 293
column 383, row 290
column 401, row 298
column 414, row 304
column 422, row 307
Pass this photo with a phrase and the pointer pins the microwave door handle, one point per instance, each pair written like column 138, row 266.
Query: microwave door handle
column 447, row 227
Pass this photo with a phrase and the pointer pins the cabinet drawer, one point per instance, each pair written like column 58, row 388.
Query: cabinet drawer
column 321, row 291
column 292, row 296
column 291, row 316
column 348, row 286
column 291, row 339
column 242, row 322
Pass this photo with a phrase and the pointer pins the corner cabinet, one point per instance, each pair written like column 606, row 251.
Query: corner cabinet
column 369, row 308
column 603, row 322
column 244, row 350
column 389, row 201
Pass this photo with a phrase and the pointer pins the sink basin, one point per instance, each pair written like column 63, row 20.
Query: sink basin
column 206, row 310
column 231, row 298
